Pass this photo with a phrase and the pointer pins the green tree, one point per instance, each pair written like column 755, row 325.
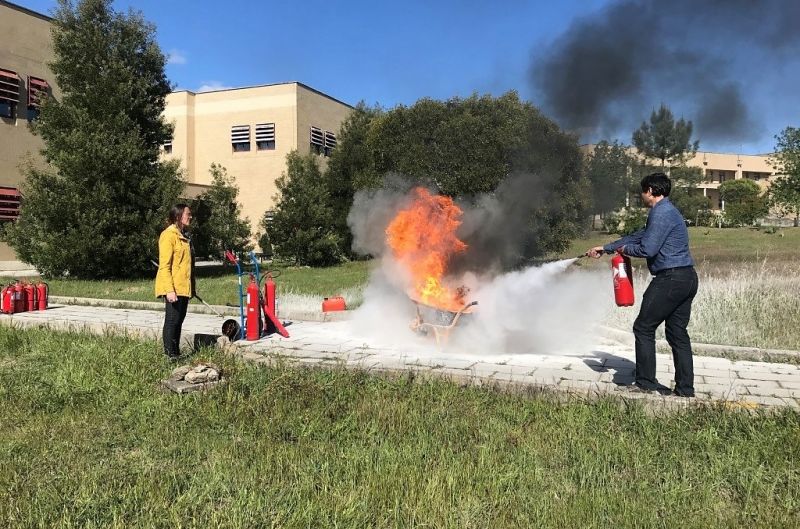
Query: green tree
column 664, row 138
column 97, row 210
column 349, row 167
column 784, row 192
column 218, row 223
column 744, row 202
column 301, row 227
column 685, row 194
column 608, row 168
column 466, row 147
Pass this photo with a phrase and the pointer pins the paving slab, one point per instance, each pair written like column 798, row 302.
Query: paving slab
column 604, row 368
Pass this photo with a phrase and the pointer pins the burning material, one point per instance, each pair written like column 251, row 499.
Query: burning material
column 422, row 238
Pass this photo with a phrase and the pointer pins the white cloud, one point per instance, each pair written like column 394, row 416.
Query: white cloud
column 176, row 57
column 210, row 86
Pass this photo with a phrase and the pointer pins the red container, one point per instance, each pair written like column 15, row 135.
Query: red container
column 333, row 304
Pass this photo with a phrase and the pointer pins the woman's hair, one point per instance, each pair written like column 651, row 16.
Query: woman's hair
column 175, row 213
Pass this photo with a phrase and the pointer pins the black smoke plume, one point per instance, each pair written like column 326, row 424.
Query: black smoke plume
column 702, row 58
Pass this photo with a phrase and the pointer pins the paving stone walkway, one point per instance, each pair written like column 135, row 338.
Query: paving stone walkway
column 604, row 368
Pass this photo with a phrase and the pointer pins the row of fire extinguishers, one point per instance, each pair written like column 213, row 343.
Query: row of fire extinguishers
column 23, row 297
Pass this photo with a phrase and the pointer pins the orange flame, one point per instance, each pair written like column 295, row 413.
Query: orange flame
column 422, row 238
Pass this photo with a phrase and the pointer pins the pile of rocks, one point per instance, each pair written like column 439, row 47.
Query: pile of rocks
column 185, row 379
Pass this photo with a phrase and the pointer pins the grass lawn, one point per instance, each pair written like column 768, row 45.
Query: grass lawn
column 88, row 441
column 219, row 285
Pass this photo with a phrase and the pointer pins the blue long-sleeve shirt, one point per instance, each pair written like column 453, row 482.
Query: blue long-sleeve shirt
column 664, row 241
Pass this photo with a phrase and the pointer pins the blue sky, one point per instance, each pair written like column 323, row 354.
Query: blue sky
column 379, row 52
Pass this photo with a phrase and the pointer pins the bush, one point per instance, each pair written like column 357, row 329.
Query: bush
column 302, row 227
column 744, row 203
column 626, row 221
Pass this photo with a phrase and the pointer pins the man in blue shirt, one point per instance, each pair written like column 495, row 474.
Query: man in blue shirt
column 664, row 242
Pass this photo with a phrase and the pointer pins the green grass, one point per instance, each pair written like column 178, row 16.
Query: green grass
column 219, row 285
column 88, row 441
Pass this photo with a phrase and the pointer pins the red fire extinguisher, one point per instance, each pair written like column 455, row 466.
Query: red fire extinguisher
column 623, row 279
column 253, row 326
column 42, row 293
column 30, row 296
column 7, row 300
column 19, row 298
column 269, row 294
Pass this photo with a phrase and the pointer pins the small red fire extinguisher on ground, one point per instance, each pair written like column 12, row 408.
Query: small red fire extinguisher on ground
column 7, row 300
column 19, row 297
column 30, row 297
column 42, row 293
column 253, row 325
column 623, row 279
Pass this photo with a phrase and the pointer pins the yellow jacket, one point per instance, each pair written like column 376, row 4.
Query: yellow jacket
column 175, row 263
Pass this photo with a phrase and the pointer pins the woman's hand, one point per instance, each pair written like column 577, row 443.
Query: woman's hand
column 172, row 297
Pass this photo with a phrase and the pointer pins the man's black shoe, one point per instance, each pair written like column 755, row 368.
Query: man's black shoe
column 638, row 388
column 682, row 394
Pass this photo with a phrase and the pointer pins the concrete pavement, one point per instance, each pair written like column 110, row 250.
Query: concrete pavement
column 602, row 369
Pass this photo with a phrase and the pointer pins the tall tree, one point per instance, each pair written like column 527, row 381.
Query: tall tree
column 784, row 192
column 608, row 168
column 218, row 224
column 349, row 166
column 665, row 139
column 301, row 226
column 96, row 212
column 744, row 202
column 477, row 147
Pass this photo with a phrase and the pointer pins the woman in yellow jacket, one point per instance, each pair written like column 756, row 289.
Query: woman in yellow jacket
column 175, row 278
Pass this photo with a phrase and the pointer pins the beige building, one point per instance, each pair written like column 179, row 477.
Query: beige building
column 250, row 131
column 721, row 167
column 718, row 168
column 25, row 50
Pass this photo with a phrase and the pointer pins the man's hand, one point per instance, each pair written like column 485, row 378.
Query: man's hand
column 172, row 297
column 595, row 252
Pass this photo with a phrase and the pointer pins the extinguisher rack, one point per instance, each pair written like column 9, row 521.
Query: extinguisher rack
column 271, row 321
column 266, row 307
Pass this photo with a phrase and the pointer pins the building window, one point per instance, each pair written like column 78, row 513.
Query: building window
column 317, row 140
column 9, row 203
column 265, row 136
column 240, row 138
column 168, row 146
column 37, row 92
column 9, row 93
column 330, row 142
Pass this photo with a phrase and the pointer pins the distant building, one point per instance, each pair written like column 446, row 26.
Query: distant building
column 25, row 50
column 250, row 131
column 721, row 167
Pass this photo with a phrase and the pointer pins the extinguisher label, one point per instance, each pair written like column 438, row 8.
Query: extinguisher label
column 620, row 272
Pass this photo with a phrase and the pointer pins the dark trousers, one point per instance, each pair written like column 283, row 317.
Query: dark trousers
column 173, row 320
column 668, row 299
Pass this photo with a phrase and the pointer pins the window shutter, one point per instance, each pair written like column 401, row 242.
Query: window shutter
column 9, row 203
column 330, row 140
column 9, row 86
column 37, row 91
column 265, row 132
column 240, row 134
column 316, row 136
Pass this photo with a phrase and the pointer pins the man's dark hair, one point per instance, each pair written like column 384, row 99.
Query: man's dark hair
column 658, row 183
